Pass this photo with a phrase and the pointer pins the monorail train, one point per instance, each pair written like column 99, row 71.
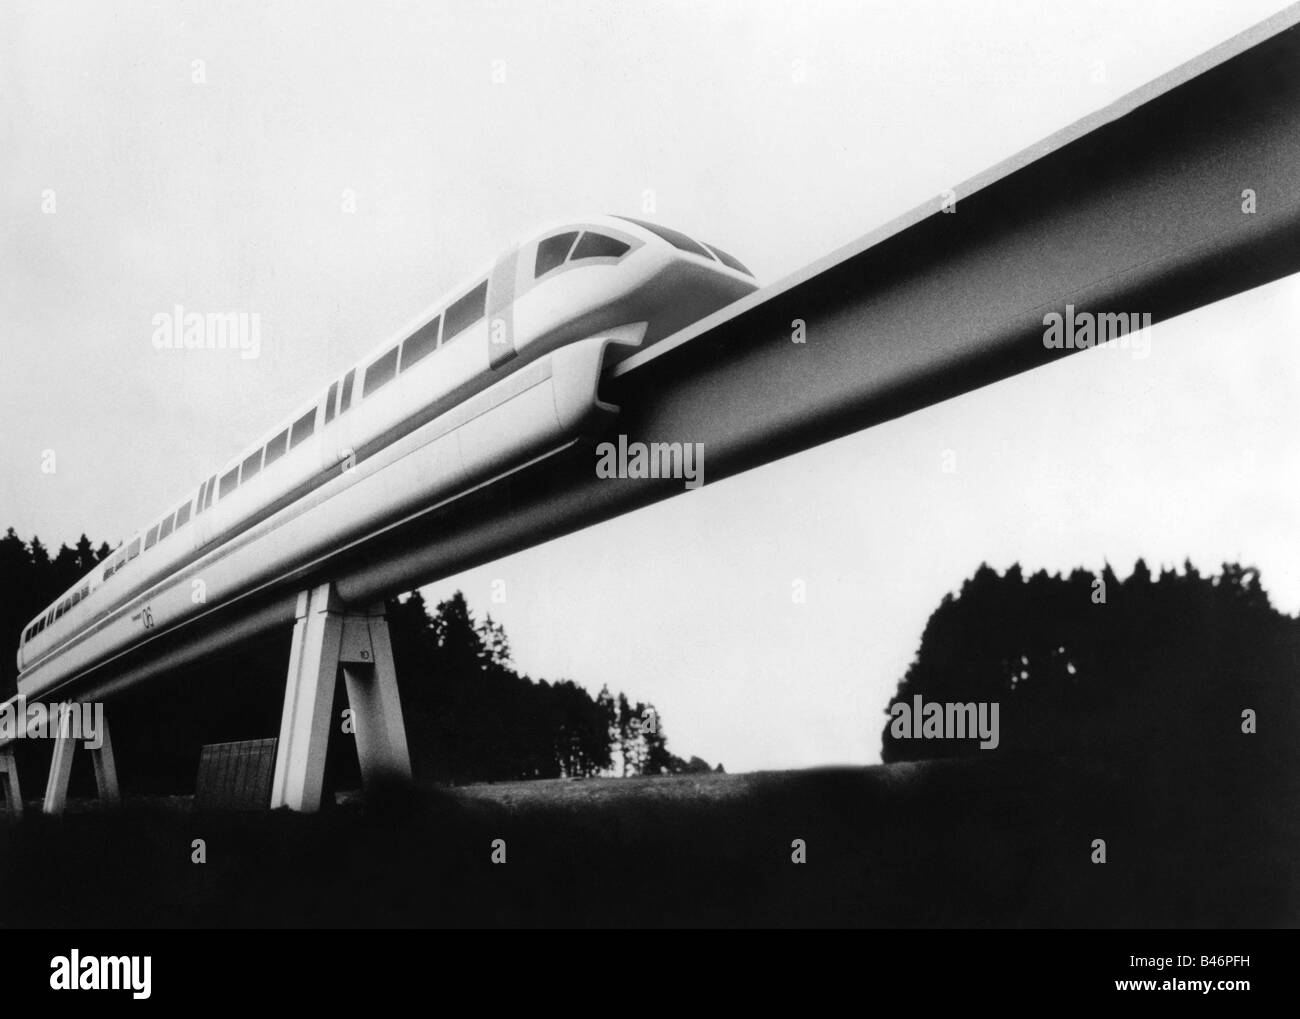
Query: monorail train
column 500, row 372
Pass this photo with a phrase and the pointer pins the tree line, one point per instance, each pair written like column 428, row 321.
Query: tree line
column 1090, row 665
column 480, row 719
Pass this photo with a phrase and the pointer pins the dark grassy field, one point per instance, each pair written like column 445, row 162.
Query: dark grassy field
column 988, row 842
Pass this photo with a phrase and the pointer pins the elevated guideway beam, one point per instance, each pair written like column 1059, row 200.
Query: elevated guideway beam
column 1141, row 208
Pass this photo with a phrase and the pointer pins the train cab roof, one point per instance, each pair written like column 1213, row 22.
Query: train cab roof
column 594, row 242
column 682, row 242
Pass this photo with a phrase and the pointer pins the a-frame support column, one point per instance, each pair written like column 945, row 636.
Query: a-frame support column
column 327, row 636
column 9, row 777
column 65, row 745
column 371, row 679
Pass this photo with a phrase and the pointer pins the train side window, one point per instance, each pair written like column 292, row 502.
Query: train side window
column 182, row 516
column 302, row 428
column 85, row 591
column 465, row 312
column 212, row 491
column 594, row 245
column 133, row 550
column 421, row 343
column 58, row 613
column 552, row 251
column 276, row 447
column 329, row 402
column 76, row 597
column 165, row 528
column 151, row 537
column 229, row 481
column 345, row 401
column 251, row 465
column 379, row 372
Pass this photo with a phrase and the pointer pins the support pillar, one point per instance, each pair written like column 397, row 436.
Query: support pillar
column 9, row 771
column 65, row 746
column 328, row 636
column 371, row 679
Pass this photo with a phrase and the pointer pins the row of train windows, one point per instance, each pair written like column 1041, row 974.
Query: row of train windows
column 55, row 613
column 444, row 328
column 458, row 317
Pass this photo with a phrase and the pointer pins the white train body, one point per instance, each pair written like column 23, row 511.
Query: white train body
column 501, row 371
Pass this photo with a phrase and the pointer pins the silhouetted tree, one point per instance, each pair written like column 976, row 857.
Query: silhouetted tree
column 1092, row 665
column 86, row 559
column 657, row 761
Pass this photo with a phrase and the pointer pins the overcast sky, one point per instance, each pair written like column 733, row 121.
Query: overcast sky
column 778, row 131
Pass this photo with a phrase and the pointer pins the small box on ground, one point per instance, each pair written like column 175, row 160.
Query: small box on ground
column 236, row 776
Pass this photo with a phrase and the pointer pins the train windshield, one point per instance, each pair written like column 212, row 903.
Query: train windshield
column 730, row 261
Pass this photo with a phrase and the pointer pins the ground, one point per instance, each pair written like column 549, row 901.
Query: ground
column 975, row 843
